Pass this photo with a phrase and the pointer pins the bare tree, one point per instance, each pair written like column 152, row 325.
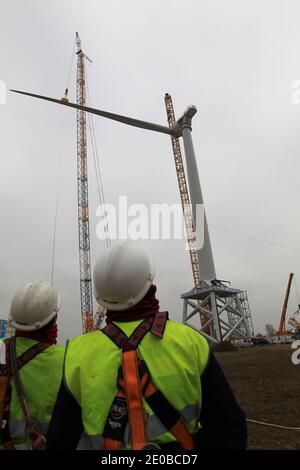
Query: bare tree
column 270, row 330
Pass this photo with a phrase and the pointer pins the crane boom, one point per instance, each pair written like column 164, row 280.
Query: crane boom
column 86, row 297
column 281, row 329
column 183, row 190
column 186, row 204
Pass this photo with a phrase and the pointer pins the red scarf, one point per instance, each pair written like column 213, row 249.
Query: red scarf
column 47, row 334
column 148, row 306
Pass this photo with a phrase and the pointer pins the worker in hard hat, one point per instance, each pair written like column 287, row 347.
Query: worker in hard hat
column 30, row 368
column 143, row 381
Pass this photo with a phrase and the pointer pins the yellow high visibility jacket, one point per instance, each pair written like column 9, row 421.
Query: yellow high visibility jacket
column 176, row 363
column 41, row 378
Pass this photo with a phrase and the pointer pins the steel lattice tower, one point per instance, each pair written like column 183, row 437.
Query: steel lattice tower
column 83, row 201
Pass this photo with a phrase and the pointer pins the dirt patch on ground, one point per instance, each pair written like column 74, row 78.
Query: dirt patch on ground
column 267, row 385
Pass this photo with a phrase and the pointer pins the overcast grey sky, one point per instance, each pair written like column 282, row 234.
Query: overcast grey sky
column 235, row 60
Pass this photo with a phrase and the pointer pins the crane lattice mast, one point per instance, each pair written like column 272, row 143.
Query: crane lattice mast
column 185, row 200
column 184, row 194
column 83, row 202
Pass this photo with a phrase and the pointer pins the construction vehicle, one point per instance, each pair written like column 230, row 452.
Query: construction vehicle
column 282, row 330
column 294, row 321
column 6, row 329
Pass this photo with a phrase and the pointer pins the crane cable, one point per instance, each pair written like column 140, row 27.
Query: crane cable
column 97, row 165
column 56, row 210
column 58, row 173
column 279, row 245
column 71, row 65
column 296, row 290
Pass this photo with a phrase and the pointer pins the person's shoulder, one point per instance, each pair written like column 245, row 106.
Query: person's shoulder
column 59, row 348
column 188, row 331
column 54, row 352
column 85, row 339
column 194, row 342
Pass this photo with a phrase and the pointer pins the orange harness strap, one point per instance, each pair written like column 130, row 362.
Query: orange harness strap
column 185, row 439
column 115, row 444
column 134, row 383
column 157, row 401
column 111, row 444
column 136, row 414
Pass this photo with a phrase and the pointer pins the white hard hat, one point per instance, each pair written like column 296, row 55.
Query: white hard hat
column 33, row 306
column 123, row 275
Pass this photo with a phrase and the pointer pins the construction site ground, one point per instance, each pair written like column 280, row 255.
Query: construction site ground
column 267, row 386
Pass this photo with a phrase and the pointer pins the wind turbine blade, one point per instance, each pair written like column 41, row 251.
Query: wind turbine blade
column 115, row 117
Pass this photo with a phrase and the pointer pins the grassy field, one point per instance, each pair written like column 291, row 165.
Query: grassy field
column 267, row 385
